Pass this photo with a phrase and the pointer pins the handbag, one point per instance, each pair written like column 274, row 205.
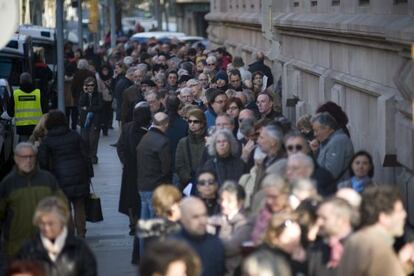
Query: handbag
column 93, row 207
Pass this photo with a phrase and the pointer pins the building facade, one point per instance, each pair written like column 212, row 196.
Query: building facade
column 356, row 53
column 190, row 16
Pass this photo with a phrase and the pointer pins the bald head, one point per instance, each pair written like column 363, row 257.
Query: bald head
column 160, row 121
column 350, row 195
column 193, row 215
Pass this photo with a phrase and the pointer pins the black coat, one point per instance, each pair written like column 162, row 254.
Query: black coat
column 75, row 258
column 261, row 67
column 120, row 86
column 229, row 168
column 63, row 153
column 93, row 104
column 153, row 160
column 130, row 137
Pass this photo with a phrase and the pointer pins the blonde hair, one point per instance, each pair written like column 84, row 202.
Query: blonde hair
column 277, row 224
column 163, row 198
column 52, row 204
column 40, row 131
column 304, row 121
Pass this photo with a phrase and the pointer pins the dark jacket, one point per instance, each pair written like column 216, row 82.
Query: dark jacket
column 93, row 104
column 177, row 129
column 153, row 160
column 261, row 67
column 130, row 97
column 229, row 168
column 188, row 156
column 210, row 250
column 77, row 83
column 63, row 153
column 19, row 196
column 76, row 258
column 120, row 86
column 126, row 148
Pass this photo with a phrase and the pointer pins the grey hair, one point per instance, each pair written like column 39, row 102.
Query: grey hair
column 234, row 146
column 211, row 59
column 142, row 67
column 52, row 204
column 131, row 71
column 187, row 90
column 303, row 185
column 276, row 181
column 304, row 159
column 227, row 116
column 325, row 119
column 83, row 64
column 274, row 132
column 247, row 125
column 265, row 263
column 23, row 145
column 234, row 189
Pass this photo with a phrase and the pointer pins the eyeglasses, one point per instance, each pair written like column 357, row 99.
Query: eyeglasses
column 203, row 79
column 193, row 121
column 294, row 147
column 211, row 64
column 26, row 156
column 89, row 85
column 206, row 182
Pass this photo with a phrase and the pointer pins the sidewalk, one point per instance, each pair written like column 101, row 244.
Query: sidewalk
column 109, row 239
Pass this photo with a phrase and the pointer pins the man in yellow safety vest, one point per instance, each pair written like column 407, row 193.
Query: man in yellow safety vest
column 26, row 106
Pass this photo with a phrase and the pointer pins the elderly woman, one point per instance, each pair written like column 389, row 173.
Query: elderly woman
column 225, row 161
column 59, row 251
column 361, row 170
column 231, row 224
column 63, row 153
column 190, row 149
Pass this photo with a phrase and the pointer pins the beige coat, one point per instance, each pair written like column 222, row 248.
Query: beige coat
column 369, row 252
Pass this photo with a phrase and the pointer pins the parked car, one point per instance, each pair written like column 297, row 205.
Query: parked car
column 160, row 36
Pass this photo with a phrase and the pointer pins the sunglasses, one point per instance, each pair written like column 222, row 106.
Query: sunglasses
column 294, row 147
column 206, row 182
column 193, row 121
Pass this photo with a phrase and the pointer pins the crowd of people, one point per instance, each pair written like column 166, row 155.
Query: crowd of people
column 215, row 181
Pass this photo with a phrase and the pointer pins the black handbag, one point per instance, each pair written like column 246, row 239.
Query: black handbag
column 93, row 207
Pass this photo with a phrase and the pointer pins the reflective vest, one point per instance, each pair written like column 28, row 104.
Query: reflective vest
column 27, row 107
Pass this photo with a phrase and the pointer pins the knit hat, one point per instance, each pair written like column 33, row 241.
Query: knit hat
column 221, row 75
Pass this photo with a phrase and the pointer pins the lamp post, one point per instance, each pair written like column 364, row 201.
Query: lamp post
column 60, row 57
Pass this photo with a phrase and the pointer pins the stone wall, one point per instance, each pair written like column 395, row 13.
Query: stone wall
column 353, row 52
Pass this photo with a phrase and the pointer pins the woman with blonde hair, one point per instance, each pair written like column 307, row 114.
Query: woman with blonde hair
column 39, row 131
column 55, row 247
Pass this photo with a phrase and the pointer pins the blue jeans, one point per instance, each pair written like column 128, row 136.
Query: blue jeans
column 147, row 212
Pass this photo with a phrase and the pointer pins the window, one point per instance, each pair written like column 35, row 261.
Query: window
column 336, row 2
column 314, row 3
column 363, row 2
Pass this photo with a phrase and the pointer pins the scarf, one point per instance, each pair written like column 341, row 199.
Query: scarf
column 54, row 249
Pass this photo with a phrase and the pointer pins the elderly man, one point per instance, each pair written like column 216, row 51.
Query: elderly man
column 121, row 85
column 335, row 218
column 265, row 105
column 270, row 142
column 208, row 247
column 197, row 91
column 370, row 251
column 299, row 166
column 153, row 162
column 20, row 192
column 295, row 143
column 336, row 149
column 154, row 101
column 186, row 96
column 131, row 96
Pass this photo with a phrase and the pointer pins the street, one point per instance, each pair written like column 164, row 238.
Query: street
column 109, row 239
